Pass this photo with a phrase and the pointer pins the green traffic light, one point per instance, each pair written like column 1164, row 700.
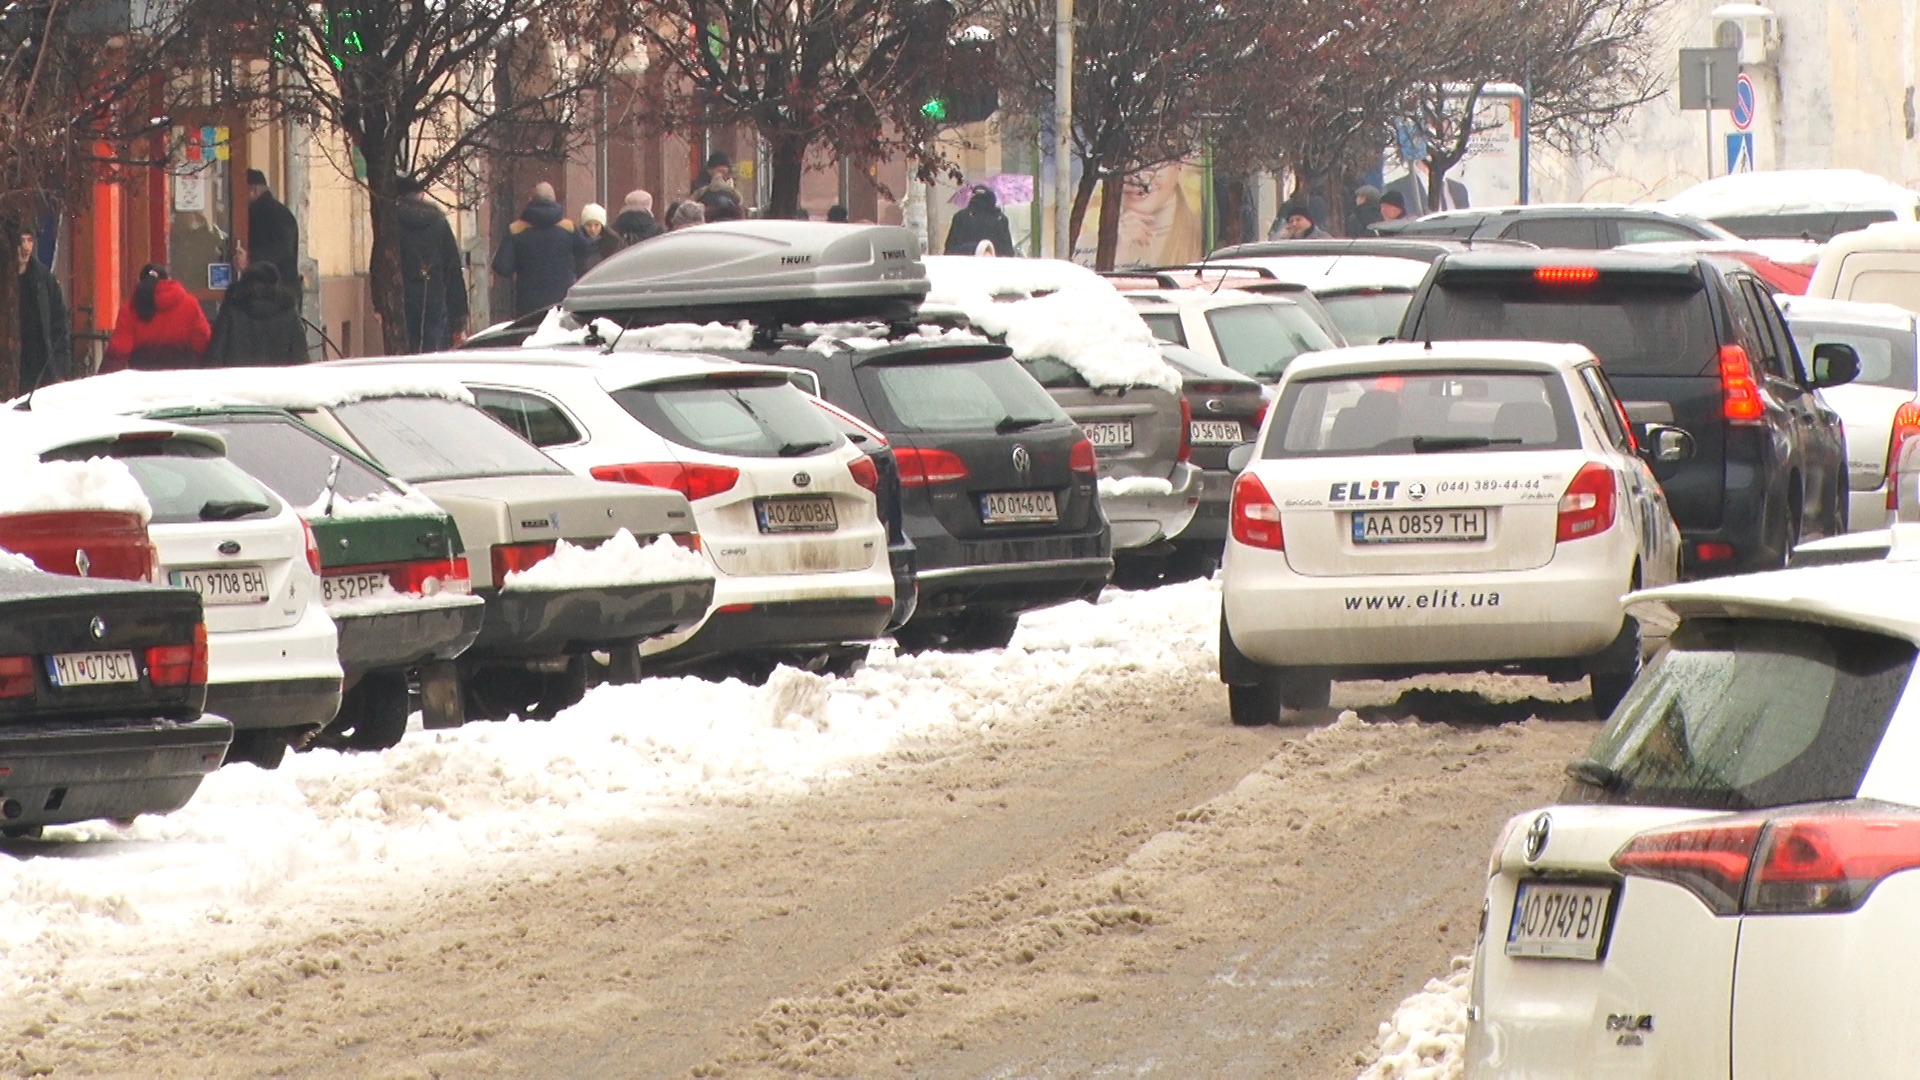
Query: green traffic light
column 935, row 109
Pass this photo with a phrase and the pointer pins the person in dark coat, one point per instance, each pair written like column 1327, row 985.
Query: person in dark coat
column 636, row 221
column 259, row 323
column 272, row 233
column 540, row 253
column 1366, row 211
column 160, row 328
column 601, row 241
column 837, row 214
column 720, row 204
column 980, row 220
column 46, row 330
column 432, row 276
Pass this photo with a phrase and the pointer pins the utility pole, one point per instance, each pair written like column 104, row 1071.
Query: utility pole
column 1063, row 129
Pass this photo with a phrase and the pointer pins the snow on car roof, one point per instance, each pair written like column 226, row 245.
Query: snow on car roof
column 1206, row 299
column 1401, row 355
column 298, row 389
column 1788, row 252
column 1881, row 596
column 1336, row 273
column 617, row 370
column 1053, row 308
column 1792, row 191
column 1849, row 312
column 34, row 431
column 554, row 331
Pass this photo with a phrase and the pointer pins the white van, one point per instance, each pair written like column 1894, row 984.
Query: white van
column 1876, row 265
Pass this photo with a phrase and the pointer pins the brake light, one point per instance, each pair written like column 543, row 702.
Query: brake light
column 1739, row 390
column 1587, row 507
column 16, row 676
column 432, row 577
column 179, row 665
column 688, row 540
column 1186, row 430
column 1081, row 458
column 517, row 558
column 1716, row 551
column 1260, row 418
column 1566, row 275
column 1906, row 426
column 1255, row 516
column 1709, row 861
column 1802, row 862
column 918, row 468
column 696, row 482
column 864, row 473
column 313, row 547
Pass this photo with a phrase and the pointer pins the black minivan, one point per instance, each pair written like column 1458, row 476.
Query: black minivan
column 1689, row 342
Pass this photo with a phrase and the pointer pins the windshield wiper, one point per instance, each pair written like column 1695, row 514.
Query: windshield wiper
column 802, row 449
column 231, row 509
column 1011, row 424
column 1440, row 444
column 1593, row 774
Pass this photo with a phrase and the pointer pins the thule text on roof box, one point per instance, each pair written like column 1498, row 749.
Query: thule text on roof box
column 765, row 272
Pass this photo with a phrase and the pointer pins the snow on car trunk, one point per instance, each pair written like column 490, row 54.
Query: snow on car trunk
column 259, row 849
column 618, row 561
column 37, row 487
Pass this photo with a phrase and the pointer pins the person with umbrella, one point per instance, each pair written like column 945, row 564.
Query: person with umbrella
column 980, row 220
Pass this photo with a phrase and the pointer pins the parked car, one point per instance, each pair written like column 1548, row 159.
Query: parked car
column 1811, row 204
column 902, row 556
column 1254, row 334
column 84, row 519
column 1877, row 265
column 1216, row 278
column 1227, row 408
column 102, row 683
column 1585, row 226
column 1723, row 886
column 506, row 497
column 1880, row 409
column 1364, row 284
column 1690, row 341
column 786, row 506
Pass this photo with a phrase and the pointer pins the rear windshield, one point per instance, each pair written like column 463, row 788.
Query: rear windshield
column 769, row 418
column 185, row 481
column 293, row 461
column 1748, row 714
column 1886, row 355
column 1166, row 326
column 1634, row 330
column 1260, row 340
column 420, row 439
column 1054, row 374
column 1369, row 317
column 967, row 395
column 1423, row 412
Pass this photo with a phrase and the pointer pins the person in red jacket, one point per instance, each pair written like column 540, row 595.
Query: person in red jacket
column 160, row 328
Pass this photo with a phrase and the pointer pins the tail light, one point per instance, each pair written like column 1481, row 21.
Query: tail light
column 517, row 558
column 1260, row 418
column 16, row 676
column 432, row 577
column 688, row 540
column 1566, row 275
column 1803, row 862
column 865, row 473
column 1081, row 458
column 313, row 547
column 1739, row 390
column 179, row 665
column 1714, row 551
column 1186, row 430
column 918, row 468
column 1255, row 516
column 696, row 482
column 1906, row 426
column 1587, row 507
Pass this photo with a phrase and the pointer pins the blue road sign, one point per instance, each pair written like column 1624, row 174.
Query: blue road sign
column 1743, row 103
column 1740, row 152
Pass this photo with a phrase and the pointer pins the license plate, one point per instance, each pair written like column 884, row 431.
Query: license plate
column 227, row 585
column 92, row 668
column 1011, row 507
column 354, row 586
column 1216, row 433
column 1418, row 526
column 1559, row 921
column 1109, row 434
column 796, row 515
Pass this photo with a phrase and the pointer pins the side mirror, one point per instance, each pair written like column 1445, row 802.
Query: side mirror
column 1666, row 445
column 1240, row 457
column 1835, row 364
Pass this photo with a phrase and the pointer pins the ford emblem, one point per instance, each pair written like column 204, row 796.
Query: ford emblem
column 98, row 627
column 1537, row 834
column 82, row 563
column 1022, row 460
column 229, row 547
column 801, row 480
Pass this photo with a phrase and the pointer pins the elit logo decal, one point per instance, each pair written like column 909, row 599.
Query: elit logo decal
column 1363, row 491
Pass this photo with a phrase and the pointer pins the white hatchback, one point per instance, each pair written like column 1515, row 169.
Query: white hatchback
column 1724, row 888
column 1879, row 410
column 1463, row 506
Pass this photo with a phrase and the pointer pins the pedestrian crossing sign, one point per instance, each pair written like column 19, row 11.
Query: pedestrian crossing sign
column 1740, row 152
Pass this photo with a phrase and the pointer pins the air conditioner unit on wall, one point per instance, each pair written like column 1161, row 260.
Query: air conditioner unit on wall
column 1749, row 28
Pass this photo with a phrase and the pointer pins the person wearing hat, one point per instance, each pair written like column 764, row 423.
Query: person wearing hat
column 636, row 221
column 1366, row 211
column 980, row 220
column 273, row 235
column 716, row 176
column 1296, row 223
column 259, row 323
column 432, row 271
column 600, row 240
column 1393, row 206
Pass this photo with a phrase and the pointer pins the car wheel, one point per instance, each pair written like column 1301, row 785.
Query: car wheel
column 559, row 690
column 373, row 715
column 265, row 747
column 844, row 661
column 1192, row 562
column 1256, row 705
column 497, row 692
column 1302, row 689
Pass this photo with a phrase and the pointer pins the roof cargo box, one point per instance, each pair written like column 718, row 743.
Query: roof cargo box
column 764, row 272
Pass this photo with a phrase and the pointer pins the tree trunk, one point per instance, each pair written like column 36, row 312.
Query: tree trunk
column 1109, row 247
column 1082, row 198
column 789, row 163
column 389, row 291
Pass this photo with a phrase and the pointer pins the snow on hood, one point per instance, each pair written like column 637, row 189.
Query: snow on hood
column 298, row 389
column 381, row 504
column 38, row 487
column 1052, row 308
column 1794, row 191
column 618, row 561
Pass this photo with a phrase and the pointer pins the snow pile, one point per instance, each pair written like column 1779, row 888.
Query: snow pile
column 1051, row 308
column 1792, row 191
column 557, row 328
column 307, row 388
column 688, row 337
column 380, row 504
column 1427, row 1037
column 618, row 561
column 397, row 603
column 830, row 339
column 16, row 564
column 1134, row 486
column 37, row 487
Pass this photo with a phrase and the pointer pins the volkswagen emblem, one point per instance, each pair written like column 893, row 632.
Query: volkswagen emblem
column 1416, row 491
column 1537, row 836
column 1022, row 460
column 98, row 627
column 1215, row 405
column 801, row 479
column 82, row 562
column 229, row 547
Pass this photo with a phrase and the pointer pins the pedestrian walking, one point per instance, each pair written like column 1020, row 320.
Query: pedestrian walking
column 1296, row 223
column 432, row 272
column 686, row 213
column 981, row 219
column 541, row 253
column 720, row 204
column 259, row 323
column 636, row 221
column 46, row 330
column 161, row 327
column 1366, row 211
column 1393, row 206
column 717, row 175
column 600, row 241
column 273, row 235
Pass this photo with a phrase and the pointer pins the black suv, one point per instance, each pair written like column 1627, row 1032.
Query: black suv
column 1573, row 226
column 1692, row 342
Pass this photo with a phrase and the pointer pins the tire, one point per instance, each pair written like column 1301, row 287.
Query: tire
column 264, row 747
column 558, row 690
column 1614, row 670
column 1254, row 706
column 1302, row 689
column 1135, row 573
column 373, row 715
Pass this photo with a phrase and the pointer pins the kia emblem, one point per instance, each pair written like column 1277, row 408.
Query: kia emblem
column 1537, row 834
column 801, row 480
column 229, row 547
column 98, row 627
column 82, row 563
column 1022, row 460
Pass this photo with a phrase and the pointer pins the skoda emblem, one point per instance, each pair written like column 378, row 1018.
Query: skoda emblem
column 801, row 479
column 1022, row 460
column 82, row 563
column 1416, row 491
column 1537, row 836
column 99, row 627
column 229, row 547
column 1215, row 405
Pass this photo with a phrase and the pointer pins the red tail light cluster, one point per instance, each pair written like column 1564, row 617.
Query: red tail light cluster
column 918, row 468
column 431, row 577
column 1587, row 507
column 1186, row 430
column 1807, row 861
column 688, row 540
column 1255, row 517
column 1739, row 389
column 179, row 665
column 696, row 482
column 865, row 473
column 313, row 547
column 1082, row 459
column 16, row 676
column 1906, row 426
column 515, row 558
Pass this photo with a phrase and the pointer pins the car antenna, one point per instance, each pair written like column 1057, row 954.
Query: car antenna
column 615, row 343
column 333, row 477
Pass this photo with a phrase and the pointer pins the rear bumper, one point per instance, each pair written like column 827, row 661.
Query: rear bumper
column 1142, row 520
column 523, row 624
column 780, row 626
column 276, row 703
column 1867, row 510
column 66, row 771
column 905, row 564
column 407, row 637
column 1210, row 515
column 1012, row 587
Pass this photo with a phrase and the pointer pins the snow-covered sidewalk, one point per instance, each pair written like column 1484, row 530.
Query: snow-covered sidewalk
column 1427, row 1037
column 328, row 831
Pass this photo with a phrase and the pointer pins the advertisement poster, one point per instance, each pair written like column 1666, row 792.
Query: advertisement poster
column 1162, row 219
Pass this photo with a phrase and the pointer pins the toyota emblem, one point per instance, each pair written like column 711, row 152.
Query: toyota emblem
column 98, row 627
column 1537, row 834
column 801, row 479
column 1022, row 460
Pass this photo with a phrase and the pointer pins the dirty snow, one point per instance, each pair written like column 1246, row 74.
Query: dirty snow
column 38, row 487
column 618, row 561
column 1427, row 1037
column 1792, row 191
column 1134, row 487
column 381, row 504
column 311, row 387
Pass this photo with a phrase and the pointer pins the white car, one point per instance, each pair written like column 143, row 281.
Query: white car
column 1463, row 506
column 1722, row 889
column 273, row 664
column 1255, row 334
column 1367, row 294
column 786, row 506
column 1879, row 410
